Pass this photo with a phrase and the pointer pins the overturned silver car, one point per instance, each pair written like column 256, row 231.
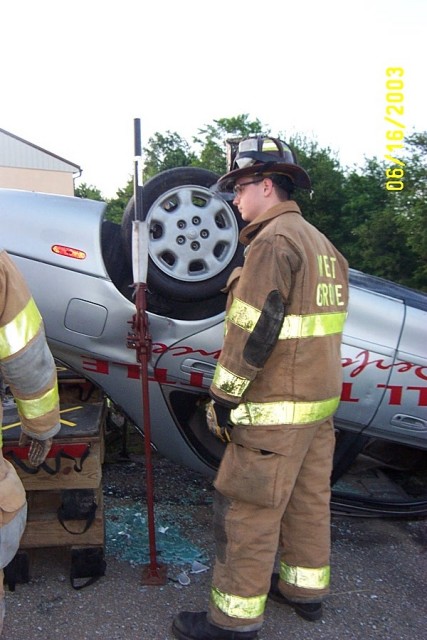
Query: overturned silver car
column 78, row 266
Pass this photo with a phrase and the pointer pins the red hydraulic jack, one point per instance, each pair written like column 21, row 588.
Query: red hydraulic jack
column 154, row 573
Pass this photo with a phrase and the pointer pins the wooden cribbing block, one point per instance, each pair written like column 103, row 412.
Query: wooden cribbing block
column 45, row 530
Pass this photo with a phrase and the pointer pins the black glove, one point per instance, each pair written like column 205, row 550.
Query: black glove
column 38, row 449
column 217, row 417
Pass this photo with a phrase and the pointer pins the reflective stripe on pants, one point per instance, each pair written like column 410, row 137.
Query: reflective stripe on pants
column 247, row 535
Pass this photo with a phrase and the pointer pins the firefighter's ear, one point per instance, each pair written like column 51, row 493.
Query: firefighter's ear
column 267, row 186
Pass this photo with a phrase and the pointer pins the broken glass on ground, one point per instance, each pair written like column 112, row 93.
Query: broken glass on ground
column 126, row 530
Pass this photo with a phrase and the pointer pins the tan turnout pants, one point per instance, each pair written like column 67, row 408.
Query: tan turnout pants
column 265, row 502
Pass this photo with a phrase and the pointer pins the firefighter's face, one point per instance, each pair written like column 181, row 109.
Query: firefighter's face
column 251, row 196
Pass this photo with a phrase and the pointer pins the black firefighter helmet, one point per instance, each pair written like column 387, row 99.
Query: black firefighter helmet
column 262, row 155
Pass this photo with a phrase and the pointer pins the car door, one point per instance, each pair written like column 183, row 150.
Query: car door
column 370, row 340
column 402, row 413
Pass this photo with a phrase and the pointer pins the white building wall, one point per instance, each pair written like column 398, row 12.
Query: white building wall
column 36, row 180
column 27, row 166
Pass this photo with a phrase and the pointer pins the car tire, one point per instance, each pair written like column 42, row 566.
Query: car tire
column 193, row 239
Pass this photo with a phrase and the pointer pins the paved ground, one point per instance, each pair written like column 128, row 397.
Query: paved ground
column 379, row 575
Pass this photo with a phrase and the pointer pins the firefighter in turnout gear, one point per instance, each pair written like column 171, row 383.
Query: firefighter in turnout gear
column 276, row 387
column 28, row 369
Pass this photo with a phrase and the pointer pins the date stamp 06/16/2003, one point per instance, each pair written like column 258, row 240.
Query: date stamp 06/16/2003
column 395, row 135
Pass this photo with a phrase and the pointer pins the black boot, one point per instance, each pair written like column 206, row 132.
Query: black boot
column 195, row 626
column 308, row 610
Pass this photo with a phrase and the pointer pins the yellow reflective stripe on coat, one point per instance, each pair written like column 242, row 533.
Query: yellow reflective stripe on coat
column 17, row 333
column 315, row 325
column 236, row 606
column 285, row 412
column 304, row 577
column 37, row 407
column 229, row 382
column 243, row 315
column 312, row 325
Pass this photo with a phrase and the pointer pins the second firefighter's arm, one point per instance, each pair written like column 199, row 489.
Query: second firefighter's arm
column 26, row 362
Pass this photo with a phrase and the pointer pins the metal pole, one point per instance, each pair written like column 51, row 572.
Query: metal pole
column 153, row 573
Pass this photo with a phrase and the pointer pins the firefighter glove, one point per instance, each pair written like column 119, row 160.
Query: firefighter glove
column 217, row 417
column 38, row 449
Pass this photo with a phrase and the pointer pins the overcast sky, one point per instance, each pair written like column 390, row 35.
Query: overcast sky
column 74, row 75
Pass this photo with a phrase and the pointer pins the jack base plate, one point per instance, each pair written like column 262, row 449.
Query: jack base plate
column 154, row 575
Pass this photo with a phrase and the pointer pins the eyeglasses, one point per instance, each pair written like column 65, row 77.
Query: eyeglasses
column 238, row 188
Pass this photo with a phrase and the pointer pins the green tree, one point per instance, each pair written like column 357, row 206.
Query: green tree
column 323, row 206
column 87, row 191
column 211, row 139
column 117, row 205
column 411, row 203
column 386, row 230
column 381, row 248
column 365, row 197
column 166, row 151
